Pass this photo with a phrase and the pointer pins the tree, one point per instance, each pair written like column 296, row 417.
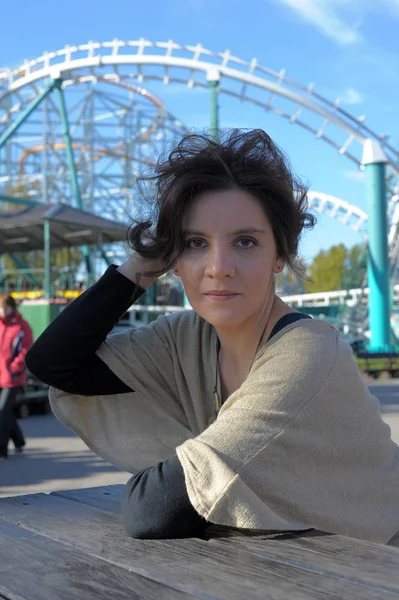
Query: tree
column 289, row 282
column 337, row 268
column 357, row 267
column 35, row 260
column 17, row 190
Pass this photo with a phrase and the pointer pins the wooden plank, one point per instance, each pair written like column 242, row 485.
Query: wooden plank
column 200, row 567
column 363, row 562
column 346, row 557
column 106, row 497
column 35, row 568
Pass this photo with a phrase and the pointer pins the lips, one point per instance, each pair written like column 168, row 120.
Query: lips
column 220, row 294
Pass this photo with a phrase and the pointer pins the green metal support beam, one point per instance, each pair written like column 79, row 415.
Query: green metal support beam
column 21, row 265
column 72, row 167
column 23, row 201
column 101, row 250
column 68, row 143
column 57, row 85
column 29, row 109
column 104, row 256
column 213, row 78
column 47, row 261
column 374, row 161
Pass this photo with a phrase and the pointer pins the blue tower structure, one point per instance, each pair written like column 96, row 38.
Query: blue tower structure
column 374, row 161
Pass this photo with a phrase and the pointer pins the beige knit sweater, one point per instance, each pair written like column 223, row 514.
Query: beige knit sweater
column 300, row 445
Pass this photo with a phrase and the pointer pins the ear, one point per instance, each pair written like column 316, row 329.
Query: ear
column 279, row 266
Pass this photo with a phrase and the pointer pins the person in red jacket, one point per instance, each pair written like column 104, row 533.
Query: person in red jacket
column 15, row 340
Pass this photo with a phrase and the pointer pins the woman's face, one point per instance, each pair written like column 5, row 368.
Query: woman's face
column 5, row 311
column 229, row 247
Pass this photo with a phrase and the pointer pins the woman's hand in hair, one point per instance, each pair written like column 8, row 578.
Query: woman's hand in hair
column 136, row 266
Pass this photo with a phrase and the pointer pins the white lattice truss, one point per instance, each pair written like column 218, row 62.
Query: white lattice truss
column 248, row 81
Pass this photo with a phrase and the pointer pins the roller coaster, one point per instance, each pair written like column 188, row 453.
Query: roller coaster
column 118, row 127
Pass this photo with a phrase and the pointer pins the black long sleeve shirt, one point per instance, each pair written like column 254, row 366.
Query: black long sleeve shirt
column 64, row 354
column 155, row 501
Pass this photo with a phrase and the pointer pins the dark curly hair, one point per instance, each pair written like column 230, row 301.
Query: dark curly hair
column 244, row 160
column 7, row 300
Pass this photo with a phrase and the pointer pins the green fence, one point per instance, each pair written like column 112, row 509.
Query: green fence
column 39, row 314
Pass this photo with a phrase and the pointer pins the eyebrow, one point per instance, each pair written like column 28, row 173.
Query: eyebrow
column 236, row 232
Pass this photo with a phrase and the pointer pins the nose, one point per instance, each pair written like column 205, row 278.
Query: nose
column 219, row 263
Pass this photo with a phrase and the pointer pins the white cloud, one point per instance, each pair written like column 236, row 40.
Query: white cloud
column 394, row 4
column 352, row 96
column 340, row 20
column 355, row 176
column 322, row 14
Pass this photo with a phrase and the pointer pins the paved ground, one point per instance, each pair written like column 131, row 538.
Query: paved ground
column 55, row 459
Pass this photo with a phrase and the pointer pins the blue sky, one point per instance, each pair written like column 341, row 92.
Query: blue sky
column 347, row 48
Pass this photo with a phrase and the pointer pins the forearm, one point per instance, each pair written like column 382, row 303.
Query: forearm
column 156, row 505
column 69, row 343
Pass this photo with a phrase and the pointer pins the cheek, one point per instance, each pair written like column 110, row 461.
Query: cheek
column 259, row 266
column 189, row 268
column 189, row 280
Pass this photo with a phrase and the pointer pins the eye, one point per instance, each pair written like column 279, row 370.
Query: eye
column 188, row 242
column 198, row 241
column 246, row 239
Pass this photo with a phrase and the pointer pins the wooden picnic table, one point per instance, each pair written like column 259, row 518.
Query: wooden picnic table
column 72, row 545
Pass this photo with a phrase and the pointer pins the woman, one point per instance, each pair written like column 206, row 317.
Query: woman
column 15, row 341
column 241, row 412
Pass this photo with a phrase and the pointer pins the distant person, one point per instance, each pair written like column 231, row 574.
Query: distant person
column 15, row 341
column 240, row 412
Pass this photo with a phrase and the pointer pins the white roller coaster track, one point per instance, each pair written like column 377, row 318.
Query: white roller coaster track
column 93, row 110
column 356, row 218
column 169, row 62
column 190, row 65
column 336, row 208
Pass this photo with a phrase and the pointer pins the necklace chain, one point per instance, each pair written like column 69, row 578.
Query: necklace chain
column 218, row 403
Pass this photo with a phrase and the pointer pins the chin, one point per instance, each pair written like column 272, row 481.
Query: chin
column 218, row 316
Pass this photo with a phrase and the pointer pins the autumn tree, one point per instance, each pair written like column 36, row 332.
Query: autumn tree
column 337, row 268
column 59, row 258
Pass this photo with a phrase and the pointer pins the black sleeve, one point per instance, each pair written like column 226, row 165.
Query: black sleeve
column 156, row 505
column 64, row 354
